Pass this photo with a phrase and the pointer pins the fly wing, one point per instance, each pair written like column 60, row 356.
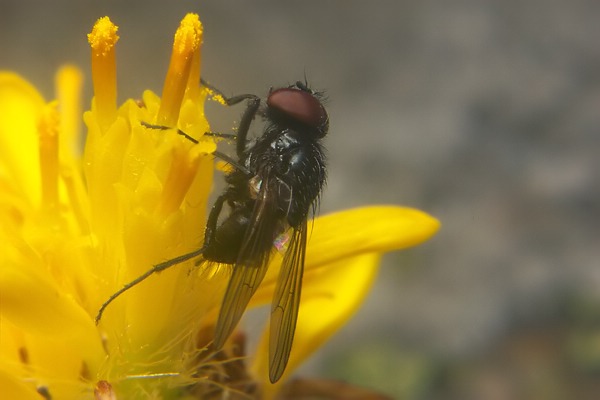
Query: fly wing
column 286, row 301
column 251, row 266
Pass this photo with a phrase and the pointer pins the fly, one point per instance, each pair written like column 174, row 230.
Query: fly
column 273, row 188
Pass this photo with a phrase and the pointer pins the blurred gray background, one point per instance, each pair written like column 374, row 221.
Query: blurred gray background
column 483, row 113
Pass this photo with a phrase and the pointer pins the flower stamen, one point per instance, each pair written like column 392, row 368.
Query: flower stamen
column 185, row 55
column 102, row 39
column 193, row 82
column 181, row 175
column 48, row 131
column 68, row 83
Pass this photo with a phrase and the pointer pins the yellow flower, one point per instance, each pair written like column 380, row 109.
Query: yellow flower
column 74, row 228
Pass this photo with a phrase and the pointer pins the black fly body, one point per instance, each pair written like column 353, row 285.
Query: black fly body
column 275, row 183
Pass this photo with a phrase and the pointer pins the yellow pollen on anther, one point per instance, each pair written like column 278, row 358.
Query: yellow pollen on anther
column 102, row 40
column 181, row 175
column 184, row 57
column 48, row 132
column 103, row 36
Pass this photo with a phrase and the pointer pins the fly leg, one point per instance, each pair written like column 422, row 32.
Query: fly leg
column 209, row 235
column 247, row 116
column 229, row 160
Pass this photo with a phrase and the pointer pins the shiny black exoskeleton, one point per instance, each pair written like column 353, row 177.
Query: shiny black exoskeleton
column 276, row 182
column 283, row 173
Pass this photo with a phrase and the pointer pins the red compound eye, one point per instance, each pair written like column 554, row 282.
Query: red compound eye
column 301, row 106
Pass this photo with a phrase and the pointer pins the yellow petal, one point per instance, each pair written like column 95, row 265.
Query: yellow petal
column 13, row 388
column 47, row 310
column 348, row 233
column 330, row 297
column 366, row 230
column 20, row 108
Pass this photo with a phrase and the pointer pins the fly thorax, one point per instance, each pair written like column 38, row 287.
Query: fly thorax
column 284, row 141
